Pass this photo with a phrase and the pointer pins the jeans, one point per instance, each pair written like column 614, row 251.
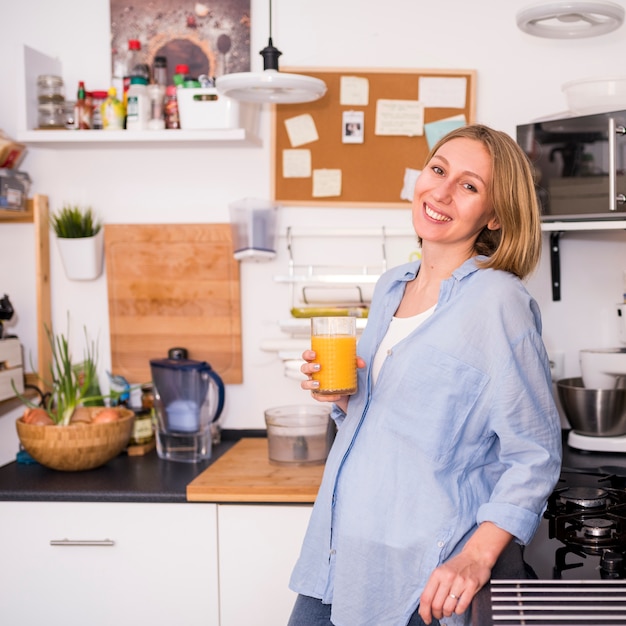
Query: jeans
column 311, row 612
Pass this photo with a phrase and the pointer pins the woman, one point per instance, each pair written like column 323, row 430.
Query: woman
column 447, row 453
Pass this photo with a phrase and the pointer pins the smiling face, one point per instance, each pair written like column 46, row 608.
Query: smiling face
column 451, row 202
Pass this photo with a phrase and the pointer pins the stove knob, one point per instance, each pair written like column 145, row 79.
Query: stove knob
column 612, row 562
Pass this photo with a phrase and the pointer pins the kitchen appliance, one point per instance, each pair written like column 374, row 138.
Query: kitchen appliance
column 188, row 399
column 580, row 165
column 595, row 403
column 577, row 557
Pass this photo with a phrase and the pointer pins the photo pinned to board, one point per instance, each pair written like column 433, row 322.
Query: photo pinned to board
column 353, row 126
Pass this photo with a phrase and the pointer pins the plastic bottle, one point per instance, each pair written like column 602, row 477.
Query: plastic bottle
column 159, row 71
column 138, row 104
column 135, row 65
column 172, row 119
column 82, row 113
column 112, row 112
column 180, row 74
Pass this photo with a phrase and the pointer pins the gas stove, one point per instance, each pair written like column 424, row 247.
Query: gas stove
column 583, row 533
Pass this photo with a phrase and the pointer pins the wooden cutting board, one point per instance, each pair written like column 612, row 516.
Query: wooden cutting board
column 244, row 474
column 173, row 285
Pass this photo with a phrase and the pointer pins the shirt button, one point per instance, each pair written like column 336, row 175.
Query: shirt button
column 389, row 352
column 440, row 544
column 333, row 551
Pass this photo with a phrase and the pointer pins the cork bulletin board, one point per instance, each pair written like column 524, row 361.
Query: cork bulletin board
column 366, row 157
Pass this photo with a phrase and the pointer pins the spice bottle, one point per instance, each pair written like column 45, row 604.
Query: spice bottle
column 172, row 119
column 156, row 94
column 82, row 115
column 97, row 99
column 159, row 71
column 143, row 429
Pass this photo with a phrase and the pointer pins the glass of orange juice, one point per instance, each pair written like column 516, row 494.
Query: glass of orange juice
column 333, row 339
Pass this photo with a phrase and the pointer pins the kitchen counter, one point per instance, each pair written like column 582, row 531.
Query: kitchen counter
column 244, row 476
column 124, row 479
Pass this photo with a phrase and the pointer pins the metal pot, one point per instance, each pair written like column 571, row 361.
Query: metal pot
column 594, row 412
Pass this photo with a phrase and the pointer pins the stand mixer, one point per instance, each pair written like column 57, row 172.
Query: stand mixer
column 595, row 404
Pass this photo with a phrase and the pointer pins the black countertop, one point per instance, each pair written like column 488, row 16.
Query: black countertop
column 126, row 478
column 150, row 479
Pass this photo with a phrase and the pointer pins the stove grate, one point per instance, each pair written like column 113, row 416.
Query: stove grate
column 551, row 602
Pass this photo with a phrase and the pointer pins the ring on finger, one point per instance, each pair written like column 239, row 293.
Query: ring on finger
column 454, row 596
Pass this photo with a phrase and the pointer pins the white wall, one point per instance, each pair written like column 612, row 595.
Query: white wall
column 519, row 78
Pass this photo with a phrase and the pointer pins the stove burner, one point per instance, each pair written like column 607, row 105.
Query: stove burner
column 597, row 527
column 584, row 497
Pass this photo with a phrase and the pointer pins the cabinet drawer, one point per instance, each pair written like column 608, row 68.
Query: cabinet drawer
column 109, row 563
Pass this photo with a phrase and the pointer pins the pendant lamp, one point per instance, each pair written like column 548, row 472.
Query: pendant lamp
column 570, row 19
column 270, row 85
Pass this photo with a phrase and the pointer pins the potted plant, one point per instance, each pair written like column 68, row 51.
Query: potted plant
column 80, row 239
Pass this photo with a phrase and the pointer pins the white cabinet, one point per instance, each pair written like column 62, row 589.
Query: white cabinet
column 258, row 547
column 115, row 564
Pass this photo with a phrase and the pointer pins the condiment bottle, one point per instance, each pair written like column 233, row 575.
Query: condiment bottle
column 112, row 112
column 82, row 114
column 172, row 119
column 138, row 104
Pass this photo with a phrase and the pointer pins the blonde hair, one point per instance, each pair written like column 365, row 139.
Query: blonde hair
column 516, row 246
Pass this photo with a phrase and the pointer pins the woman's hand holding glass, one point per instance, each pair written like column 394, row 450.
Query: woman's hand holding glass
column 310, row 367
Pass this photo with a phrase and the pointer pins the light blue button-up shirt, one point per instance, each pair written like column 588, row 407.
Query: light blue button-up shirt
column 460, row 428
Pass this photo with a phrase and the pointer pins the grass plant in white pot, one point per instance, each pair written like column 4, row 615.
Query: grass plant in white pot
column 80, row 239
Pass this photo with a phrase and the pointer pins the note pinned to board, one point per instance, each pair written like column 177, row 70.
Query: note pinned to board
column 408, row 187
column 436, row 130
column 326, row 183
column 442, row 92
column 399, row 117
column 296, row 163
column 354, row 91
column 301, row 130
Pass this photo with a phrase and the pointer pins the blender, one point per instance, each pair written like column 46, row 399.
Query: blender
column 188, row 398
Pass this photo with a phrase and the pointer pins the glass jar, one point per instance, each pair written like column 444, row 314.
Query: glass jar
column 51, row 115
column 50, row 89
column 143, row 428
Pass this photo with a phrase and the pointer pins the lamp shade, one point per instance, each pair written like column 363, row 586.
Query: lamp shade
column 270, row 86
column 570, row 19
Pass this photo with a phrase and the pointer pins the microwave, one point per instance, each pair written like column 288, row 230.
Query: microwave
column 579, row 164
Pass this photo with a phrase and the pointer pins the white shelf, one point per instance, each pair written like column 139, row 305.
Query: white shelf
column 588, row 225
column 36, row 63
column 73, row 138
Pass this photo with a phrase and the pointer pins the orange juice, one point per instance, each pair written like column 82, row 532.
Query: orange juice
column 336, row 355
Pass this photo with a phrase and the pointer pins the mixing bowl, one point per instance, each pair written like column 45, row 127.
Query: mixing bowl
column 594, row 412
column 596, row 95
column 299, row 434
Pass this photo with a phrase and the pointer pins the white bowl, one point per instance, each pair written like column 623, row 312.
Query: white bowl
column 596, row 95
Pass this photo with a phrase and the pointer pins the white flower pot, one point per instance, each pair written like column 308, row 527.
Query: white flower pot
column 82, row 257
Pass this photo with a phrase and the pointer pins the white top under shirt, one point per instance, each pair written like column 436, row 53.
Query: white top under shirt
column 399, row 328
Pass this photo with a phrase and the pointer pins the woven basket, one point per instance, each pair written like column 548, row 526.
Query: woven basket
column 78, row 446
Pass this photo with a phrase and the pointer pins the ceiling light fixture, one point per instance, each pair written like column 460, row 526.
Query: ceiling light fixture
column 570, row 19
column 270, row 85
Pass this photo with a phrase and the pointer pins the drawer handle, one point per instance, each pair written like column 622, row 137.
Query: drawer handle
column 80, row 542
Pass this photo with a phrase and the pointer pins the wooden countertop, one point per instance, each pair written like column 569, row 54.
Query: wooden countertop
column 244, row 474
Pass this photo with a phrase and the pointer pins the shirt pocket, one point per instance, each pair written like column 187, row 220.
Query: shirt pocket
column 433, row 399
